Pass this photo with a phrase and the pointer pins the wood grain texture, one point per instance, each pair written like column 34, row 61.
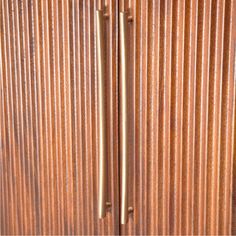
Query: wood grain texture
column 48, row 117
column 181, row 117
column 181, row 109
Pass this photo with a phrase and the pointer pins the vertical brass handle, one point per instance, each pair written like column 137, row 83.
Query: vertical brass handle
column 123, row 115
column 102, row 178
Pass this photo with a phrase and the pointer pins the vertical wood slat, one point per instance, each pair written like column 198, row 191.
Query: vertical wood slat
column 182, row 106
column 49, row 148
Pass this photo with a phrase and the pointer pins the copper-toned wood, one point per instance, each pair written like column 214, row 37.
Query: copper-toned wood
column 49, row 117
column 181, row 116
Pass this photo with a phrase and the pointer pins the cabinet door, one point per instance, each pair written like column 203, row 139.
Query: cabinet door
column 49, row 117
column 180, row 114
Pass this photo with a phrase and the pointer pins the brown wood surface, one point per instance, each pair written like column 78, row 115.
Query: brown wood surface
column 181, row 113
column 48, row 117
column 181, row 116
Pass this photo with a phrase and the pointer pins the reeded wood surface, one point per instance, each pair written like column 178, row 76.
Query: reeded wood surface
column 181, row 116
column 181, row 109
column 48, row 117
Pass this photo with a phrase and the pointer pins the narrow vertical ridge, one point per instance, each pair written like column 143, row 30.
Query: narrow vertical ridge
column 189, row 87
column 47, row 110
column 69, row 117
column 58, row 111
column 36, row 76
column 178, row 19
column 144, row 44
column 60, row 117
column 85, row 118
column 152, row 116
column 80, row 119
column 73, row 70
column 227, row 118
column 45, row 116
column 4, row 194
column 82, row 116
column 49, row 53
column 164, row 122
column 201, row 115
column 54, row 86
column 138, row 83
column 214, row 119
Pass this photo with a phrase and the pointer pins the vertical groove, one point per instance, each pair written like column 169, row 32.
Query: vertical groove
column 176, row 115
column 214, row 118
column 137, row 120
column 36, row 76
column 80, row 138
column 53, row 133
column 85, row 118
column 201, row 115
column 57, row 82
column 152, row 116
column 45, row 116
column 67, row 116
column 164, row 122
column 142, row 138
column 73, row 48
column 189, row 89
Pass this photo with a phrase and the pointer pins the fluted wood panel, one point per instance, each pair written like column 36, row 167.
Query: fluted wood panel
column 49, row 128
column 181, row 116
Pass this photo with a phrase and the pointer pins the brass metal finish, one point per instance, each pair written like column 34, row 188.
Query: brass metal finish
column 123, row 115
column 102, row 178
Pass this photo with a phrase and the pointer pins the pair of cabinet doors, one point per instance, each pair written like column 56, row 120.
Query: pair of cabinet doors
column 138, row 114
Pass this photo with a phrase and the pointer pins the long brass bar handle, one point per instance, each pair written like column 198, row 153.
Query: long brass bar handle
column 123, row 116
column 102, row 178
